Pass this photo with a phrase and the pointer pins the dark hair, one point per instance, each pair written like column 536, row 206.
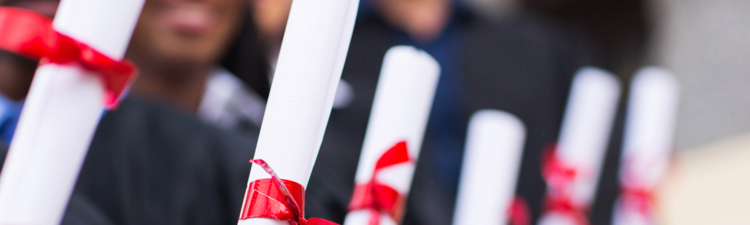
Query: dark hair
column 246, row 58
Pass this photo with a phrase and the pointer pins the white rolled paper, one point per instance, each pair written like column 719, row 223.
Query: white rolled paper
column 401, row 108
column 647, row 144
column 311, row 59
column 585, row 132
column 60, row 115
column 494, row 147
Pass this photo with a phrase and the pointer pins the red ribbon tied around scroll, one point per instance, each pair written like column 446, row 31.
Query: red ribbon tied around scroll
column 559, row 177
column 277, row 199
column 30, row 34
column 379, row 197
column 639, row 200
column 636, row 196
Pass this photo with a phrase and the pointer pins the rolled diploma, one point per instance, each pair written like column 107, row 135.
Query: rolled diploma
column 586, row 129
column 649, row 127
column 401, row 108
column 494, row 147
column 309, row 68
column 60, row 115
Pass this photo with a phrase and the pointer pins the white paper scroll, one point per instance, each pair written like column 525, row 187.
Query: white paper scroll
column 60, row 115
column 649, row 127
column 401, row 108
column 585, row 133
column 309, row 68
column 494, row 147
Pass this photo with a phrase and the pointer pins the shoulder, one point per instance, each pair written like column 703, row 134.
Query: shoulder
column 161, row 121
column 157, row 130
column 526, row 32
column 522, row 50
column 145, row 153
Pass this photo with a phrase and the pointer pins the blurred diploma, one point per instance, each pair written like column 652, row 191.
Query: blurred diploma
column 494, row 147
column 400, row 111
column 647, row 144
column 312, row 57
column 60, row 115
column 582, row 144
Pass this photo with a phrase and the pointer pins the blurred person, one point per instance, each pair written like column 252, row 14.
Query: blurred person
column 521, row 65
column 270, row 18
column 149, row 163
column 178, row 47
column 619, row 31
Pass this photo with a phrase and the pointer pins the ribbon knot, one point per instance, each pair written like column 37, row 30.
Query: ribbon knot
column 277, row 199
column 639, row 199
column 31, row 35
column 379, row 197
column 559, row 177
column 637, row 196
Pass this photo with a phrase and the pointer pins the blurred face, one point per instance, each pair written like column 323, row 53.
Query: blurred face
column 270, row 17
column 46, row 7
column 422, row 19
column 184, row 33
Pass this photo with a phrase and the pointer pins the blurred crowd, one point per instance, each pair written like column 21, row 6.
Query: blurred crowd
column 206, row 68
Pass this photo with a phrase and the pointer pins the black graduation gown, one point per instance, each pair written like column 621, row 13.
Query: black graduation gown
column 518, row 66
column 150, row 164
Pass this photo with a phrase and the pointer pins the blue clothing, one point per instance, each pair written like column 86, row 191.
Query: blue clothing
column 10, row 111
column 446, row 131
column 445, row 134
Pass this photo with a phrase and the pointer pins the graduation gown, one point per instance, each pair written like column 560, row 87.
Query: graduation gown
column 518, row 66
column 150, row 164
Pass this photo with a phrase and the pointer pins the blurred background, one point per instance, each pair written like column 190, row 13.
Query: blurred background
column 706, row 44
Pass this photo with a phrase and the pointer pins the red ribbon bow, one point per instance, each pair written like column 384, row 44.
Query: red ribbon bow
column 559, row 176
column 30, row 34
column 638, row 199
column 635, row 196
column 278, row 199
column 379, row 197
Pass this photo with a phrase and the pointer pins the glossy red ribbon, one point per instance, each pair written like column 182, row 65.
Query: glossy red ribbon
column 378, row 197
column 559, row 176
column 277, row 199
column 31, row 35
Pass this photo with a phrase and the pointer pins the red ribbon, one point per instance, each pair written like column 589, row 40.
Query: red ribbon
column 635, row 197
column 559, row 176
column 639, row 199
column 277, row 199
column 378, row 197
column 518, row 212
column 31, row 35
